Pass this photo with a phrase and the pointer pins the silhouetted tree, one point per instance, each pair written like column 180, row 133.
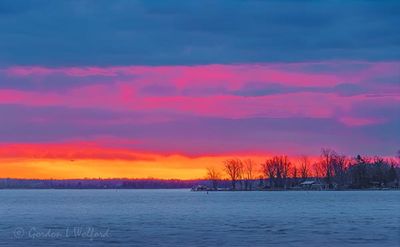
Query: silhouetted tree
column 234, row 170
column 286, row 167
column 340, row 164
column 318, row 169
column 214, row 176
column 358, row 173
column 269, row 170
column 277, row 170
column 304, row 167
column 392, row 174
column 295, row 175
column 248, row 173
column 327, row 162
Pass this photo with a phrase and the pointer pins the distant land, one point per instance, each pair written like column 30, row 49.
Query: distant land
column 117, row 183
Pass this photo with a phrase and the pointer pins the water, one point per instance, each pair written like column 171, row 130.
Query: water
column 184, row 218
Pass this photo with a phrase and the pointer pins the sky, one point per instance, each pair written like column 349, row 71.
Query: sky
column 166, row 89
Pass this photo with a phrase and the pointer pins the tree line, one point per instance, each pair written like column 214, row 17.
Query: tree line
column 333, row 170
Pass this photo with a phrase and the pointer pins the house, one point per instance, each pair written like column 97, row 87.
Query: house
column 313, row 185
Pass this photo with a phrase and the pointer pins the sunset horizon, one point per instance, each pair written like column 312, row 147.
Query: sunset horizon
column 83, row 160
column 179, row 120
column 199, row 123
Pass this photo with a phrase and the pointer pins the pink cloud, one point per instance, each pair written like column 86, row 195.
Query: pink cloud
column 317, row 105
column 122, row 92
column 354, row 121
column 70, row 150
column 231, row 76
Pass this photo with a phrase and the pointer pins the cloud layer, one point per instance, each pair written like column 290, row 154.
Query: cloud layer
column 101, row 32
column 203, row 109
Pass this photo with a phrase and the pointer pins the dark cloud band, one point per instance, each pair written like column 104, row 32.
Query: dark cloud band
column 196, row 32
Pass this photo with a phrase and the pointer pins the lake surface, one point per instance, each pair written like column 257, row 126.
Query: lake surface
column 184, row 218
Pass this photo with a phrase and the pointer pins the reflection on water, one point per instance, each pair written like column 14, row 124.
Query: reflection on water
column 184, row 218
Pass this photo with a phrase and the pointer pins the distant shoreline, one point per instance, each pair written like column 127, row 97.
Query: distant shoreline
column 188, row 189
column 117, row 183
column 204, row 191
column 370, row 189
column 197, row 185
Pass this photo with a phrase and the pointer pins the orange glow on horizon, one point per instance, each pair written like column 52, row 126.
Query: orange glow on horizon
column 79, row 160
column 170, row 167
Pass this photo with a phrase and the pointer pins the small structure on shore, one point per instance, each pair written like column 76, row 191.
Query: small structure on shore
column 200, row 188
column 312, row 185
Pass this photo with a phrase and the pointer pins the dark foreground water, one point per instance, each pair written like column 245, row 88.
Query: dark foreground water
column 184, row 218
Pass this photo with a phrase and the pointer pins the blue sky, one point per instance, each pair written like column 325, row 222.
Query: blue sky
column 67, row 33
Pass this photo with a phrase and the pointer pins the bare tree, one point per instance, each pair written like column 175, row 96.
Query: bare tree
column 318, row 170
column 340, row 164
column 234, row 169
column 304, row 167
column 269, row 170
column 359, row 172
column 285, row 165
column 327, row 160
column 277, row 170
column 295, row 175
column 248, row 173
column 214, row 176
column 295, row 172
